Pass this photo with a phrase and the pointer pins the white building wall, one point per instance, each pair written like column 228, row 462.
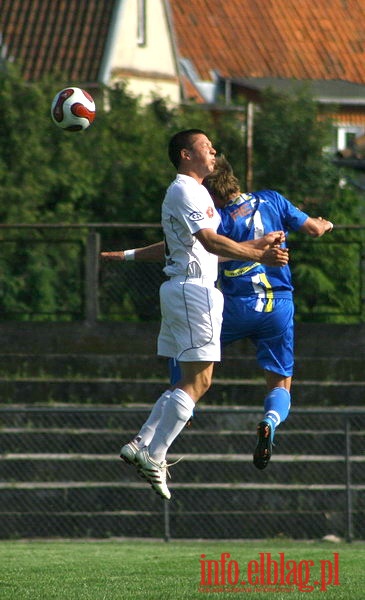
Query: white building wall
column 148, row 67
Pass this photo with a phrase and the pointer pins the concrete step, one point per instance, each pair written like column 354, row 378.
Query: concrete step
column 194, row 525
column 72, row 338
column 142, row 391
column 92, row 365
column 311, row 339
column 211, row 468
column 86, row 365
column 207, row 418
column 323, row 369
column 243, row 518
column 138, row 497
column 243, row 525
column 104, row 441
column 82, row 525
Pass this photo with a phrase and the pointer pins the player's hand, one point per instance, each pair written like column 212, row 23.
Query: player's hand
column 117, row 255
column 328, row 225
column 274, row 238
column 275, row 257
column 316, row 226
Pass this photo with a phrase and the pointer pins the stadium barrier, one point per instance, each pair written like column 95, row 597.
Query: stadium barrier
column 54, row 272
column 61, row 476
column 62, row 385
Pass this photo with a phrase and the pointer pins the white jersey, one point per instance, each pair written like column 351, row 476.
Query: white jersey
column 186, row 209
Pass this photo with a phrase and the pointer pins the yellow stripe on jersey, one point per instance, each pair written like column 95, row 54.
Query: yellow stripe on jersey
column 269, row 293
column 241, row 271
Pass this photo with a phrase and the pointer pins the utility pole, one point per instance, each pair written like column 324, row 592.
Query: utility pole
column 249, row 147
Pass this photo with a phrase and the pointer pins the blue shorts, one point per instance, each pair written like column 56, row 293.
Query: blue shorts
column 271, row 332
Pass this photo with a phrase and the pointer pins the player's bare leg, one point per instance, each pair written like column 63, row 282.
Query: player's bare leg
column 196, row 378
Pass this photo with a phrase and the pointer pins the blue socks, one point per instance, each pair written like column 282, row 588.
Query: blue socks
column 174, row 371
column 276, row 406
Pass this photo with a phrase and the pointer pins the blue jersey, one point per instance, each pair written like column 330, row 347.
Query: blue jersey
column 248, row 217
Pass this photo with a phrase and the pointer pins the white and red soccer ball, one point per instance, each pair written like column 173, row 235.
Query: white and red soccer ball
column 73, row 109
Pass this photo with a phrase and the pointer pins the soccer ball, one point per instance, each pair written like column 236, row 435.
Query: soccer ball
column 73, row 109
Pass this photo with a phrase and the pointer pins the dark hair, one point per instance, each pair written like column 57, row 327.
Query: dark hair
column 179, row 141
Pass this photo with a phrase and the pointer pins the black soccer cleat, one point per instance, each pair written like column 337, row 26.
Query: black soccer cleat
column 263, row 450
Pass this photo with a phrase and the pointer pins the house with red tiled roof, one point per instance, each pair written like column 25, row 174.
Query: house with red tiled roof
column 205, row 51
column 92, row 42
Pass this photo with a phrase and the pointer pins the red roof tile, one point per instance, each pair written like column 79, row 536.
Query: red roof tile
column 302, row 39
column 65, row 37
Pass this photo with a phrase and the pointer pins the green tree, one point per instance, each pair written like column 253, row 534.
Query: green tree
column 290, row 135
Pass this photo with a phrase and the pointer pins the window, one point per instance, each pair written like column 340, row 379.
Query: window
column 346, row 136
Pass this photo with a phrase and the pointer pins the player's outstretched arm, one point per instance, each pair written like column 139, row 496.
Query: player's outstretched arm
column 254, row 250
column 151, row 253
column 316, row 226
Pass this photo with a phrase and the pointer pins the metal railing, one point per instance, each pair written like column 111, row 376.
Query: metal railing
column 53, row 271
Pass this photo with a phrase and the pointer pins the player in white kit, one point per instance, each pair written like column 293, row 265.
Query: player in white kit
column 191, row 305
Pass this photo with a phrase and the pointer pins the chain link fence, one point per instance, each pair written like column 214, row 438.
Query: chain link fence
column 60, row 475
column 131, row 290
column 54, row 272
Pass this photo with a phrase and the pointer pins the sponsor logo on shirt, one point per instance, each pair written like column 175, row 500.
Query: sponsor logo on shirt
column 210, row 212
column 241, row 211
column 196, row 216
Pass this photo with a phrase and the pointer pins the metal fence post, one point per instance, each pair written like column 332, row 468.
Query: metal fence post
column 167, row 520
column 92, row 277
column 348, row 479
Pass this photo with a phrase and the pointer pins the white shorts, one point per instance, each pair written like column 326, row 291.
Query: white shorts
column 191, row 320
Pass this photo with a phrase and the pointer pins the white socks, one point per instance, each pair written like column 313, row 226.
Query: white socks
column 176, row 412
column 147, row 430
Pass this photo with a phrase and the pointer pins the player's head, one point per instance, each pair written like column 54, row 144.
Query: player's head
column 222, row 184
column 183, row 140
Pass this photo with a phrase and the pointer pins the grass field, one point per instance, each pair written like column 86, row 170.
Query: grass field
column 154, row 570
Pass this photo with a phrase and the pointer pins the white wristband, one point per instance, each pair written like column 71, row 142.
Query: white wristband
column 331, row 226
column 129, row 254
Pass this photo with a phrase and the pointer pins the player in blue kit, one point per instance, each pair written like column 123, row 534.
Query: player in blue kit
column 258, row 299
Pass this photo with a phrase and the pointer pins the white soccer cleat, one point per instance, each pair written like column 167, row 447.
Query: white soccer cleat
column 154, row 472
column 128, row 453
